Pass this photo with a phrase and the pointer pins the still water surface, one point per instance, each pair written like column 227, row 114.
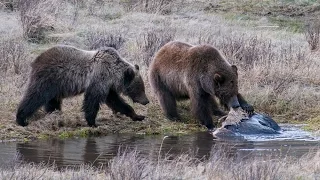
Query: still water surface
column 96, row 150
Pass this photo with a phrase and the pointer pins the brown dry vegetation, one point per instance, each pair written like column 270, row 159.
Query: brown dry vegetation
column 132, row 165
column 279, row 67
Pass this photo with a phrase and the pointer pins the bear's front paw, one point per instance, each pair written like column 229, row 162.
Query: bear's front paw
column 22, row 123
column 210, row 127
column 248, row 108
column 211, row 130
column 93, row 125
column 138, row 118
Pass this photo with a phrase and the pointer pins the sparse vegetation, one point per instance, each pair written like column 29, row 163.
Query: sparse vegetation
column 275, row 45
column 278, row 67
column 151, row 6
column 13, row 53
column 312, row 33
column 37, row 17
column 132, row 165
column 150, row 42
column 102, row 38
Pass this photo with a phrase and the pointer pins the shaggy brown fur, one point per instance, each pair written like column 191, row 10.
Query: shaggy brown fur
column 180, row 70
column 65, row 71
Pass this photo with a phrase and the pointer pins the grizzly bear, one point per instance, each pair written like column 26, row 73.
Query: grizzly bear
column 200, row 73
column 65, row 71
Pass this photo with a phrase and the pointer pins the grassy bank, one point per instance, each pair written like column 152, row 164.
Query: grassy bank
column 132, row 165
column 278, row 66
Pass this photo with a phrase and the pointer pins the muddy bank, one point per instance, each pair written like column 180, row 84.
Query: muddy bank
column 70, row 122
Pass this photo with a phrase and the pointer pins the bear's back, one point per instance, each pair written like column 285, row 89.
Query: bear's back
column 63, row 55
column 64, row 64
column 204, row 53
column 179, row 55
column 170, row 55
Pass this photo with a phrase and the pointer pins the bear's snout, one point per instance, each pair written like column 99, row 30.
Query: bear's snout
column 234, row 103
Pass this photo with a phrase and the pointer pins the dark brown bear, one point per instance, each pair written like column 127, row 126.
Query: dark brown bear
column 65, row 71
column 181, row 71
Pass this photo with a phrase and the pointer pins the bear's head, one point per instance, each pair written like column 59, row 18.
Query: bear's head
column 134, row 86
column 226, row 87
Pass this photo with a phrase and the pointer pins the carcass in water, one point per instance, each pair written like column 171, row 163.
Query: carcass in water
column 238, row 123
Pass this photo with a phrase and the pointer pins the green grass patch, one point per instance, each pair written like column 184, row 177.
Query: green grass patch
column 44, row 136
column 313, row 124
column 66, row 134
column 292, row 24
column 83, row 132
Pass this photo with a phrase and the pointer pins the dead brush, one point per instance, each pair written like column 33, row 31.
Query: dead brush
column 150, row 42
column 10, row 5
column 129, row 165
column 244, row 50
column 13, row 55
column 257, row 169
column 150, row 6
column 37, row 17
column 312, row 34
column 95, row 39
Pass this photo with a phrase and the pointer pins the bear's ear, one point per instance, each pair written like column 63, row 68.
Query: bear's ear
column 128, row 76
column 218, row 78
column 235, row 69
column 136, row 66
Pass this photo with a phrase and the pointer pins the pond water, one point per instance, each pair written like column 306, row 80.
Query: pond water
column 96, row 150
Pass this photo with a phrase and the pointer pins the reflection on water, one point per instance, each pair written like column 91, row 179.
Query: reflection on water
column 98, row 150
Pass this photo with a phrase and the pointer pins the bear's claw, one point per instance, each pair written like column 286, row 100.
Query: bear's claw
column 248, row 108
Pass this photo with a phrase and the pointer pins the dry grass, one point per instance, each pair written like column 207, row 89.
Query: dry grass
column 151, row 6
column 131, row 165
column 103, row 38
column 278, row 73
column 13, row 53
column 266, row 7
column 312, row 33
column 277, row 68
column 151, row 41
column 37, row 17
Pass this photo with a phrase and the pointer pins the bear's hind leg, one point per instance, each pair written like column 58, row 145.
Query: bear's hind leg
column 201, row 108
column 168, row 105
column 52, row 105
column 117, row 104
column 166, row 99
column 31, row 102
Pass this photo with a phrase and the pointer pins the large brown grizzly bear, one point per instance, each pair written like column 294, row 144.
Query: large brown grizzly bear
column 65, row 71
column 180, row 71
